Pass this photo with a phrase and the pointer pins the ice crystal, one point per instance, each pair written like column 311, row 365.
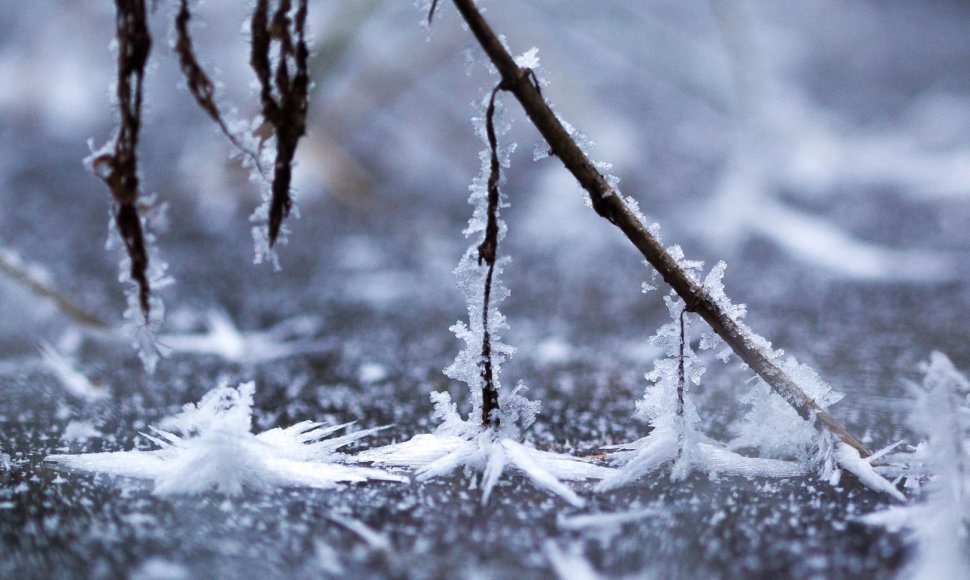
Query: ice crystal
column 939, row 526
column 528, row 59
column 485, row 450
column 209, row 446
column 144, row 333
column 261, row 175
column 676, row 439
column 73, row 381
column 224, row 339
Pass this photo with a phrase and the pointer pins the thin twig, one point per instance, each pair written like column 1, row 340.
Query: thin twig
column 119, row 169
column 610, row 205
column 434, row 6
column 199, row 84
column 22, row 276
column 486, row 252
column 283, row 93
column 681, row 378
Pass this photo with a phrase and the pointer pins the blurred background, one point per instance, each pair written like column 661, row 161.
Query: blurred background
column 821, row 149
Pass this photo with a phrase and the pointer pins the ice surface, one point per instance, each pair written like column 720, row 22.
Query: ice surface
column 209, row 446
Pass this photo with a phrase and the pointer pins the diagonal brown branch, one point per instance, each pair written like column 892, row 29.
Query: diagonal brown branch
column 611, row 206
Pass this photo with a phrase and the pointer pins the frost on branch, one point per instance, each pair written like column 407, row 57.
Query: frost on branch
column 279, row 59
column 676, row 440
column 938, row 528
column 789, row 445
column 116, row 164
column 487, row 442
column 772, row 427
column 209, row 446
column 143, row 326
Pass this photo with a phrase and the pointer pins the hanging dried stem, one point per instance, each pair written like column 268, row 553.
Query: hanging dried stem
column 434, row 6
column 610, row 205
column 119, row 169
column 198, row 81
column 283, row 92
column 486, row 253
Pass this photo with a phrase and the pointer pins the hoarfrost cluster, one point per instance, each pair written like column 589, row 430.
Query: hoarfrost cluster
column 209, row 446
column 938, row 527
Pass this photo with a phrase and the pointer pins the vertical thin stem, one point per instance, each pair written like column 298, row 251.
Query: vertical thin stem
column 681, row 379
column 486, row 253
column 119, row 169
column 283, row 92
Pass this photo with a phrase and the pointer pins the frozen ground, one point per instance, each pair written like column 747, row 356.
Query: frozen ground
column 830, row 173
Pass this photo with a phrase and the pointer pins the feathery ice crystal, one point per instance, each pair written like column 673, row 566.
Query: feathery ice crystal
column 209, row 446
column 938, row 527
column 486, row 449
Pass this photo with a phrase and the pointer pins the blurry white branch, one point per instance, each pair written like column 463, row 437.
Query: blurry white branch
column 224, row 339
column 35, row 280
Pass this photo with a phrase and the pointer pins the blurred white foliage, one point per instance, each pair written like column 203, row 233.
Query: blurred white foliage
column 78, row 430
column 74, row 382
column 785, row 142
column 938, row 528
column 224, row 339
column 209, row 446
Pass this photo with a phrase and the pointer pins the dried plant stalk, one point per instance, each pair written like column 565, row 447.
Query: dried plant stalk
column 486, row 253
column 199, row 83
column 119, row 169
column 610, row 205
column 283, row 92
column 20, row 273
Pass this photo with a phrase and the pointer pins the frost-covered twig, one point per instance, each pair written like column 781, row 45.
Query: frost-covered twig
column 487, row 442
column 609, row 204
column 486, row 253
column 209, row 446
column 119, row 168
column 199, row 84
column 284, row 84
